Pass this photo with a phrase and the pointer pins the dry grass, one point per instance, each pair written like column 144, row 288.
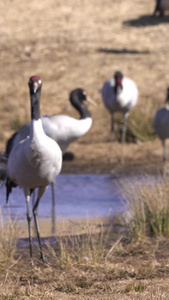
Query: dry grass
column 90, row 248
column 104, row 264
column 147, row 204
column 8, row 242
column 96, row 266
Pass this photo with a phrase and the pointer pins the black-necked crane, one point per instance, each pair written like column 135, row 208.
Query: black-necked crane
column 161, row 124
column 62, row 128
column 34, row 162
column 161, row 7
column 119, row 94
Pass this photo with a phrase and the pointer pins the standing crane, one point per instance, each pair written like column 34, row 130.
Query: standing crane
column 34, row 162
column 161, row 125
column 119, row 94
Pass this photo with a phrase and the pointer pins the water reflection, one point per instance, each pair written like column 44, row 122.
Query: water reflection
column 76, row 196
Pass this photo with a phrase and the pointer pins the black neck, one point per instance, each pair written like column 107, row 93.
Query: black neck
column 35, row 106
column 77, row 99
column 83, row 110
column 116, row 88
column 158, row 4
column 167, row 99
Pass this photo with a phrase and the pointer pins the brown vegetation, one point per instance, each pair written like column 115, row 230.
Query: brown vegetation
column 97, row 265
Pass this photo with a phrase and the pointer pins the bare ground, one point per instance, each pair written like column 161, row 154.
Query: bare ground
column 132, row 271
column 81, row 43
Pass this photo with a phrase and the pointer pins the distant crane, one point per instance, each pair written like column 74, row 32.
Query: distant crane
column 62, row 128
column 161, row 7
column 119, row 94
column 161, row 124
column 34, row 162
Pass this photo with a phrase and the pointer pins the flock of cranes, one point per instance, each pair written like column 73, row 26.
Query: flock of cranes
column 34, row 153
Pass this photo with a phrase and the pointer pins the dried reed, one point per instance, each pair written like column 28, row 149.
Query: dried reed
column 148, row 206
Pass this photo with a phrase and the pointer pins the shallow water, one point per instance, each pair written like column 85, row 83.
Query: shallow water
column 76, row 196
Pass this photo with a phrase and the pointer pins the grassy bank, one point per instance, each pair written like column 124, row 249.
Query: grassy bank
column 124, row 258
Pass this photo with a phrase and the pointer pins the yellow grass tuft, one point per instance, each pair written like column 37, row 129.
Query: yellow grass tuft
column 8, row 241
column 89, row 248
column 147, row 205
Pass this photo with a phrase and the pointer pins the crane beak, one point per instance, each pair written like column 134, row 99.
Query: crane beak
column 91, row 101
column 35, row 87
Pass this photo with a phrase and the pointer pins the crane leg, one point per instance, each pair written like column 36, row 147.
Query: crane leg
column 33, row 198
column 29, row 218
column 33, row 203
column 164, row 152
column 164, row 158
column 53, row 209
column 35, row 208
column 111, row 138
column 158, row 9
column 123, row 139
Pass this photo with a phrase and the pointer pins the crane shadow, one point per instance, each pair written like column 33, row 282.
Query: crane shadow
column 147, row 20
column 122, row 51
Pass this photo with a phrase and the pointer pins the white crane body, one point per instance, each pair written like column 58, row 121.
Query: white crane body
column 119, row 94
column 126, row 98
column 34, row 161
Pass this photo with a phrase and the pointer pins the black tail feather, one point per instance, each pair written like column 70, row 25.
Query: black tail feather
column 8, row 189
column 3, row 165
column 9, row 186
column 10, row 144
